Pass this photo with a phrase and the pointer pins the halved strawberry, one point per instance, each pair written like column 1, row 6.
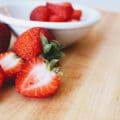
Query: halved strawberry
column 2, row 76
column 37, row 80
column 40, row 13
column 76, row 15
column 60, row 10
column 10, row 63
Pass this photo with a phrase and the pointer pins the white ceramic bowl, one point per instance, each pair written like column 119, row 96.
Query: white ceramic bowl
column 17, row 16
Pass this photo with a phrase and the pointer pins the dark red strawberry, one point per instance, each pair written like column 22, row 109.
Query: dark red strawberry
column 37, row 80
column 10, row 63
column 76, row 15
column 5, row 35
column 40, row 13
column 29, row 45
column 60, row 10
column 2, row 76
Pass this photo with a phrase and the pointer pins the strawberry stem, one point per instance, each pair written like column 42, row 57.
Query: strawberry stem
column 57, row 70
column 52, row 52
column 51, row 49
column 52, row 63
column 45, row 44
column 51, row 66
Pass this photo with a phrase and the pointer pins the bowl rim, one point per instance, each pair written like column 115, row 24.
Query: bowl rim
column 94, row 18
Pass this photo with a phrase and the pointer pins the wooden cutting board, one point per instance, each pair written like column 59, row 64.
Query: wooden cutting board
column 91, row 84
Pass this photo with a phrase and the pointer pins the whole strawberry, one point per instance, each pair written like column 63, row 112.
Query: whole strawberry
column 5, row 35
column 37, row 79
column 37, row 41
column 2, row 76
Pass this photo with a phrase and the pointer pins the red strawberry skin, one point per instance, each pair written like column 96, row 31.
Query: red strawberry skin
column 2, row 76
column 76, row 15
column 55, row 18
column 68, row 5
column 35, row 80
column 61, row 10
column 41, row 13
column 5, row 35
column 28, row 45
column 10, row 64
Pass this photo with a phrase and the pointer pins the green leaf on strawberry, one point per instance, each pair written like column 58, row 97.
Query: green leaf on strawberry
column 51, row 49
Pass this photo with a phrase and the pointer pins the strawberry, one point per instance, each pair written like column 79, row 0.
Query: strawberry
column 29, row 45
column 37, row 80
column 55, row 18
column 68, row 5
column 1, row 76
column 62, row 10
column 10, row 63
column 40, row 13
column 76, row 15
column 5, row 35
column 35, row 41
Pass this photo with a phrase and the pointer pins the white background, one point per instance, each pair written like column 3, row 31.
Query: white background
column 111, row 5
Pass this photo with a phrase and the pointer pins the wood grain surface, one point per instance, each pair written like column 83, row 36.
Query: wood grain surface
column 91, row 84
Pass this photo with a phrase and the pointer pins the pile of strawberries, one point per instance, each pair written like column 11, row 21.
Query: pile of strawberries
column 32, row 62
column 52, row 12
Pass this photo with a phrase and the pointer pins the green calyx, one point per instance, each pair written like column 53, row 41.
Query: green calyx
column 52, row 52
column 52, row 66
column 51, row 49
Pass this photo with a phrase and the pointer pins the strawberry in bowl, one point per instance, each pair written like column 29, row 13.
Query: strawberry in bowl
column 53, row 12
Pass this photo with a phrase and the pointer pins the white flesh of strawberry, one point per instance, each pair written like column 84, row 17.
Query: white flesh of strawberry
column 9, row 61
column 42, row 76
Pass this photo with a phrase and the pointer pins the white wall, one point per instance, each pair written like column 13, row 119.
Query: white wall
column 112, row 5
